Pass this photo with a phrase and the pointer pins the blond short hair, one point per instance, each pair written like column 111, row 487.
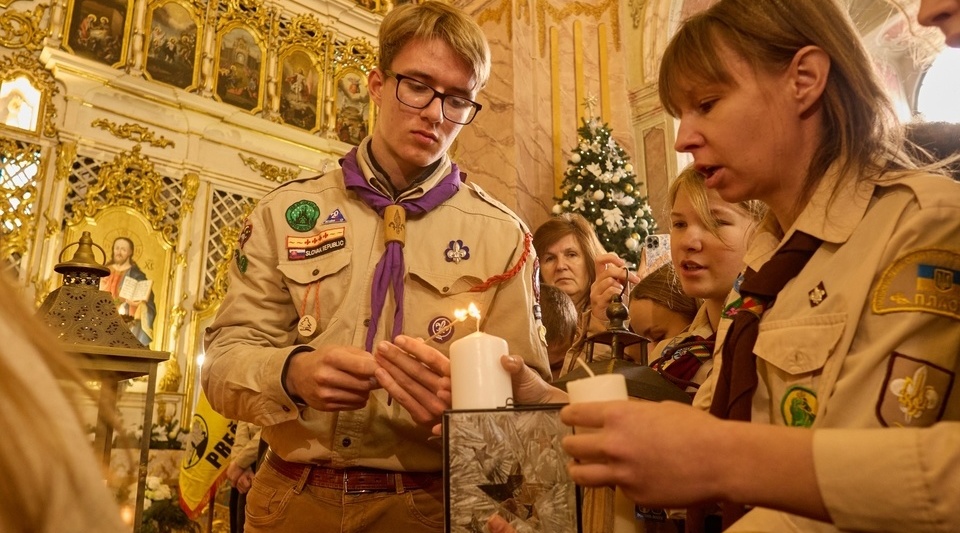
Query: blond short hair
column 436, row 20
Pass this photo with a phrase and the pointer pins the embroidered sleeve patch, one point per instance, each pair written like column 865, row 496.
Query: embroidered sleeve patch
column 925, row 280
column 914, row 393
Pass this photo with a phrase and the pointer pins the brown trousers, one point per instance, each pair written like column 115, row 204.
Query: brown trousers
column 278, row 504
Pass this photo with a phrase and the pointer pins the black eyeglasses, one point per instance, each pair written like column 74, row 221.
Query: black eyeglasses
column 418, row 95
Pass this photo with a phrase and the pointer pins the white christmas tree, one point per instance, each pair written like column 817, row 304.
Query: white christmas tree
column 600, row 185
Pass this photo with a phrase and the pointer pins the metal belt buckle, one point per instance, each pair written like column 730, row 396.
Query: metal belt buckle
column 346, row 487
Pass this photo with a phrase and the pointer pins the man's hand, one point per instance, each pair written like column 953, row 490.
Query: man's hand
column 417, row 376
column 234, row 472
column 245, row 482
column 332, row 378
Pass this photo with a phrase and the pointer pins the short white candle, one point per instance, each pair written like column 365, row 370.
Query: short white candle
column 478, row 380
column 602, row 388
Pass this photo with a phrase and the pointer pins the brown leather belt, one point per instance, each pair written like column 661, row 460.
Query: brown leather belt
column 354, row 480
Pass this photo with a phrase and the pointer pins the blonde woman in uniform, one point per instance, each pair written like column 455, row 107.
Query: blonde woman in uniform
column 857, row 345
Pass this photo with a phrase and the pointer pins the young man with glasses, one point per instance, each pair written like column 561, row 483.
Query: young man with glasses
column 329, row 269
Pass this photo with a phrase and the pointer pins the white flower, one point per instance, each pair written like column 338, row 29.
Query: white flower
column 623, row 199
column 613, row 218
column 594, row 169
column 578, row 204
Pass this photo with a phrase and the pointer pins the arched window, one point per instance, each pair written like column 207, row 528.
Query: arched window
column 938, row 97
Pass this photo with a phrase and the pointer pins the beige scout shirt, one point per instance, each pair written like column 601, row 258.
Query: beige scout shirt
column 865, row 337
column 256, row 329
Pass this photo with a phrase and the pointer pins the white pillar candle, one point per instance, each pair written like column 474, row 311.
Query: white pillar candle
column 478, row 380
column 602, row 388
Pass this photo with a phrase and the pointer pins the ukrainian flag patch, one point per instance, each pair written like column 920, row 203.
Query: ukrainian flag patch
column 925, row 280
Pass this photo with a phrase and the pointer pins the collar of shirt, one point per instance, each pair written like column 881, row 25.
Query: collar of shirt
column 378, row 179
column 837, row 206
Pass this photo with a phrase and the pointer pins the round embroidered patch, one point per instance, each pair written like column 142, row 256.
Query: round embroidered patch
column 440, row 329
column 302, row 215
column 799, row 407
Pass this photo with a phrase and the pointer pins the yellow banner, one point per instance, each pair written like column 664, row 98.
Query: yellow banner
column 205, row 462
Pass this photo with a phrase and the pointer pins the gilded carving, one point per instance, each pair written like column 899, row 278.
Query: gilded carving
column 129, row 180
column 18, row 217
column 65, row 157
column 547, row 10
column 357, row 53
column 133, row 132
column 191, row 184
column 21, row 29
column 268, row 171
column 636, row 12
column 503, row 12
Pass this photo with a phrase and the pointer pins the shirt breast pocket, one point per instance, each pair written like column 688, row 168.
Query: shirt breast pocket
column 318, row 286
column 795, row 354
column 433, row 295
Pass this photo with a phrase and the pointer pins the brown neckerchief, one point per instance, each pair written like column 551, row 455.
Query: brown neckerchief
column 733, row 396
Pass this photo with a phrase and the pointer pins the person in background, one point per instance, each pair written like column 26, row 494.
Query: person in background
column 51, row 480
column 708, row 238
column 566, row 246
column 559, row 323
column 659, row 309
column 568, row 250
column 241, row 471
column 329, row 267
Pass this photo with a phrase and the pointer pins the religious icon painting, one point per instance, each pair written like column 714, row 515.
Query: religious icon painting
column 239, row 80
column 21, row 102
column 171, row 49
column 99, row 30
column 299, row 90
column 508, row 462
column 352, row 106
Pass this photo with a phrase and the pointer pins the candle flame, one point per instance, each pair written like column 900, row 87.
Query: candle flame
column 473, row 311
column 460, row 314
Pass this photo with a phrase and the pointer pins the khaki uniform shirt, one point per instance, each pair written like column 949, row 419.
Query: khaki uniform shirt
column 867, row 336
column 454, row 247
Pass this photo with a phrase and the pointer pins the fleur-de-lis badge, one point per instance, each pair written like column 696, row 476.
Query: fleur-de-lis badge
column 914, row 395
column 397, row 223
column 456, row 252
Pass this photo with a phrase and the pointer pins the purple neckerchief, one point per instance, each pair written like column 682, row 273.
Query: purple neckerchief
column 390, row 268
